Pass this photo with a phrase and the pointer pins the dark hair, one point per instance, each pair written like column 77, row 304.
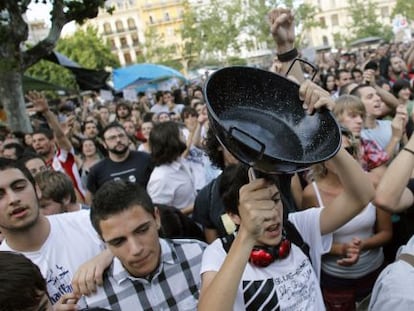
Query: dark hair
column 399, row 85
column 371, row 65
column 147, row 117
column 29, row 155
column 13, row 164
column 188, row 111
column 22, row 286
column 19, row 149
column 355, row 70
column 178, row 97
column 44, row 131
column 110, row 126
column 158, row 96
column 165, row 143
column 176, row 225
column 83, row 126
column 325, row 81
column 212, row 148
column 338, row 73
column 357, row 90
column 114, row 197
column 236, row 175
column 55, row 186
column 93, row 141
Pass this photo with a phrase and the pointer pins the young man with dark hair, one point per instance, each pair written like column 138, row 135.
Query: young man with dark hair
column 259, row 268
column 121, row 163
column 147, row 273
column 57, row 244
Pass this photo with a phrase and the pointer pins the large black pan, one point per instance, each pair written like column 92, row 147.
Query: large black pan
column 259, row 117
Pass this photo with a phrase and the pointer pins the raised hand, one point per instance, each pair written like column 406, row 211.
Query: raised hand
column 38, row 100
column 314, row 97
column 282, row 27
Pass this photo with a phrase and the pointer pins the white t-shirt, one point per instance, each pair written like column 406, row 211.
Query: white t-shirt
column 172, row 184
column 291, row 283
column 72, row 241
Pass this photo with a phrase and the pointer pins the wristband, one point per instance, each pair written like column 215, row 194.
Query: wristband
column 288, row 56
column 409, row 150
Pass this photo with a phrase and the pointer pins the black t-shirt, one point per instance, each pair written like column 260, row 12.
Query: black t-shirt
column 208, row 207
column 137, row 168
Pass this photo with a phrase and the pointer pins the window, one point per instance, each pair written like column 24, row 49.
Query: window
column 124, row 43
column 127, row 58
column 322, row 21
column 325, row 40
column 134, row 38
column 107, row 28
column 334, row 20
column 119, row 26
column 131, row 24
column 113, row 45
column 151, row 20
column 166, row 16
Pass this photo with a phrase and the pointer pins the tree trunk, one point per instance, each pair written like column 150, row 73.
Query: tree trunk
column 11, row 96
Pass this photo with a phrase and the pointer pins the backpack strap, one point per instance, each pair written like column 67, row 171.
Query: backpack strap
column 407, row 258
column 227, row 241
column 294, row 236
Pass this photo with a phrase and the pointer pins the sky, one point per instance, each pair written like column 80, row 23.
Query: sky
column 41, row 11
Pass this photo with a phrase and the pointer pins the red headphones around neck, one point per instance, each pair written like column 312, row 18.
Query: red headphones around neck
column 262, row 256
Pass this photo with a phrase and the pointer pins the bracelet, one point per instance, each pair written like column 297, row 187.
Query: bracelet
column 409, row 150
column 288, row 56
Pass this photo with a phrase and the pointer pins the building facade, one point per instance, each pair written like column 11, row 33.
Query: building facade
column 126, row 28
column 334, row 15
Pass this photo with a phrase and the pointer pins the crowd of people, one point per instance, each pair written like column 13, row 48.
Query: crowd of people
column 138, row 206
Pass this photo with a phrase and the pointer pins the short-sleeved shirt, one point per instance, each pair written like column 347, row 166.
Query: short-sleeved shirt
column 288, row 284
column 136, row 168
column 174, row 286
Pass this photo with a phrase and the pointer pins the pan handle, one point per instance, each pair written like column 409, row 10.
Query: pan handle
column 315, row 70
column 247, row 135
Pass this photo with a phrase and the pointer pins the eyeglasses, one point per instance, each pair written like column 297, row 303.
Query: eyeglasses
column 114, row 137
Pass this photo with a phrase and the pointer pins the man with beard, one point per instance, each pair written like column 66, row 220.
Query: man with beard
column 121, row 163
column 397, row 69
column 54, row 146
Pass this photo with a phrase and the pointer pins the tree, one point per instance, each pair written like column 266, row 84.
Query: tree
column 219, row 25
column 15, row 58
column 221, row 28
column 365, row 21
column 155, row 48
column 405, row 8
column 84, row 47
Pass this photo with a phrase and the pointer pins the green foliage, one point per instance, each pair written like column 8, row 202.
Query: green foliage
column 405, row 8
column 215, row 30
column 236, row 61
column 85, row 48
column 365, row 21
column 53, row 73
column 155, row 49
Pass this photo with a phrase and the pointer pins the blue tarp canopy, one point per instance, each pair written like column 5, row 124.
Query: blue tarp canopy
column 140, row 74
